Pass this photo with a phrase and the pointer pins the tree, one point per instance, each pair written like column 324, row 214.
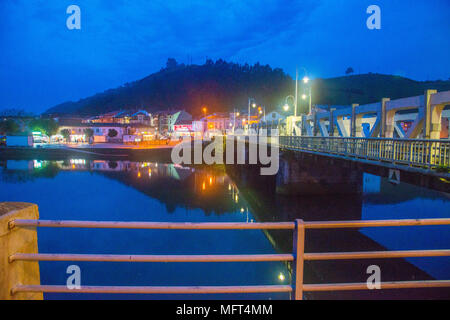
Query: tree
column 88, row 132
column 66, row 134
column 46, row 126
column 112, row 164
column 349, row 70
column 9, row 126
column 171, row 63
column 112, row 133
column 15, row 113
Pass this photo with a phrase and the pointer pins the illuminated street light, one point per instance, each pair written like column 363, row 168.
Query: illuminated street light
column 305, row 79
column 286, row 105
column 304, row 96
column 251, row 102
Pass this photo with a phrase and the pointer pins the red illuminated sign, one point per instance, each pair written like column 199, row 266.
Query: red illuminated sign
column 182, row 127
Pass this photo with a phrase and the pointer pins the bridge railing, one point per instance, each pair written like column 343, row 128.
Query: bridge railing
column 298, row 257
column 417, row 152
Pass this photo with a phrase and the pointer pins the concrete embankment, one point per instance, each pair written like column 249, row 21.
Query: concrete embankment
column 19, row 153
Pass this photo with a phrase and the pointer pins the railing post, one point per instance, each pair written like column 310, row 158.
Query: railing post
column 17, row 240
column 298, row 252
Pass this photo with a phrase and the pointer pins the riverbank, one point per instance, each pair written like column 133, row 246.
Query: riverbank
column 120, row 152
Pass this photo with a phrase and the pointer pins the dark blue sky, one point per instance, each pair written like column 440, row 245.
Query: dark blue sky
column 42, row 63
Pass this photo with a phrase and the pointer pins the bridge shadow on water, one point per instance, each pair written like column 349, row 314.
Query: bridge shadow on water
column 308, row 190
column 312, row 197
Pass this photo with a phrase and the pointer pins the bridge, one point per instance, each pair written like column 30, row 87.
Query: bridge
column 367, row 131
column 407, row 136
column 381, row 119
column 373, row 133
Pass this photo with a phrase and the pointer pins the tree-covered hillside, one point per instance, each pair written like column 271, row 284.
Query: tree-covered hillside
column 218, row 86
column 223, row 86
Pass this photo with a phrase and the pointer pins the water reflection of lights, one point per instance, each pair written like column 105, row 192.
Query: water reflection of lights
column 37, row 164
column 77, row 161
column 242, row 210
column 139, row 174
column 204, row 186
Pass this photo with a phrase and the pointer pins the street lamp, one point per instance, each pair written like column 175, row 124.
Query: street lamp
column 306, row 81
column 250, row 100
column 304, row 96
column 286, row 105
column 236, row 114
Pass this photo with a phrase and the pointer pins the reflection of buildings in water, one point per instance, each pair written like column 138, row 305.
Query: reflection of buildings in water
column 174, row 185
column 140, row 169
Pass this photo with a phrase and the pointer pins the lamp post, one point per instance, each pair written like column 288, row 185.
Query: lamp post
column 254, row 106
column 306, row 81
column 205, row 121
column 296, row 92
column 286, row 105
column 234, row 119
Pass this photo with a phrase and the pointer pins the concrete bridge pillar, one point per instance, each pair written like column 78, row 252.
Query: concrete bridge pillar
column 18, row 240
column 390, row 124
column 332, row 126
column 305, row 174
column 384, row 132
column 356, row 123
column 433, row 117
column 315, row 128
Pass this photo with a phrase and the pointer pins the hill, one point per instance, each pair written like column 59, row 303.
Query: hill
column 219, row 86
column 223, row 86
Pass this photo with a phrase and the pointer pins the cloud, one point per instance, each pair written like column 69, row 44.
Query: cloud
column 122, row 41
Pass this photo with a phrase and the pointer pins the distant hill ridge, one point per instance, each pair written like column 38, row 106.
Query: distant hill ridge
column 221, row 86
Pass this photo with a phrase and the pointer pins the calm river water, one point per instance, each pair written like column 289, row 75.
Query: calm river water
column 80, row 189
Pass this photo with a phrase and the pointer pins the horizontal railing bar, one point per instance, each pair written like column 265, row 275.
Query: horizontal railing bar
column 375, row 223
column 227, row 225
column 149, row 258
column 366, row 138
column 383, row 285
column 152, row 290
column 150, row 225
column 376, row 254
